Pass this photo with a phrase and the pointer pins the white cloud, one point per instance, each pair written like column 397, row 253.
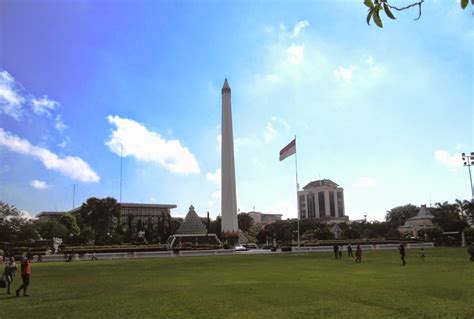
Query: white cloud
column 44, row 105
column 11, row 101
column 365, row 182
column 270, row 132
column 70, row 166
column 145, row 145
column 370, row 61
column 295, row 53
column 214, row 177
column 344, row 74
column 26, row 215
column 38, row 184
column 299, row 26
column 448, row 160
column 59, row 124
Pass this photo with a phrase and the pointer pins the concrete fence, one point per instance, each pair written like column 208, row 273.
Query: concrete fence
column 216, row 252
column 421, row 245
column 153, row 254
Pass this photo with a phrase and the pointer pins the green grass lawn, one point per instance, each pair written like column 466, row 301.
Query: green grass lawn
column 266, row 286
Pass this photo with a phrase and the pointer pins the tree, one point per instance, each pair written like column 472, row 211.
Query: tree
column 392, row 234
column 11, row 222
column 245, row 221
column 69, row 221
column 378, row 5
column 50, row 229
column 397, row 216
column 98, row 214
column 350, row 233
column 448, row 217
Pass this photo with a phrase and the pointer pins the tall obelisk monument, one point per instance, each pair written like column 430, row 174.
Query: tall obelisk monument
column 229, row 224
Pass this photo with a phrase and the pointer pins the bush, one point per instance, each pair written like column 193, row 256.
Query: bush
column 226, row 246
column 286, row 248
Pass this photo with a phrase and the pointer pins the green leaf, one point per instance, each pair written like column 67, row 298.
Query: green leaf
column 388, row 12
column 377, row 19
column 369, row 16
column 464, row 3
column 370, row 4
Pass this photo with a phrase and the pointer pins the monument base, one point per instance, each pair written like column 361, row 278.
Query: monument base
column 231, row 238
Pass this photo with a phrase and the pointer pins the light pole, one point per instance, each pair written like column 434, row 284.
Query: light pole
column 468, row 161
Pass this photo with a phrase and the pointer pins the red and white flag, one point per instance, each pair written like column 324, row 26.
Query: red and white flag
column 288, row 150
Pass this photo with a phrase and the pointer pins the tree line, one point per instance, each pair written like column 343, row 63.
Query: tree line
column 94, row 223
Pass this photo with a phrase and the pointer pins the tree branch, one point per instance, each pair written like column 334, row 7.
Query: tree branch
column 408, row 7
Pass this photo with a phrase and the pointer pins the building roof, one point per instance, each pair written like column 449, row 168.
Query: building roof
column 320, row 183
column 192, row 224
column 49, row 214
column 422, row 214
column 148, row 205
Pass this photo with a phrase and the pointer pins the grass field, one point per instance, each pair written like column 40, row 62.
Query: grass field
column 265, row 286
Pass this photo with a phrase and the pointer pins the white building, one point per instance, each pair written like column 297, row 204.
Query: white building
column 323, row 200
column 423, row 220
column 264, row 219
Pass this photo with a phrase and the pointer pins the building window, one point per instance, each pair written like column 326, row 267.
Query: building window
column 340, row 204
column 322, row 204
column 311, row 205
column 332, row 204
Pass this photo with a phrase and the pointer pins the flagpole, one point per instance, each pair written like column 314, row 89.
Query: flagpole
column 297, row 189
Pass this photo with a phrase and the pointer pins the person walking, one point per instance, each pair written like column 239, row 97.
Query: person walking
column 401, row 249
column 9, row 273
column 470, row 250
column 336, row 251
column 94, row 256
column 349, row 251
column 340, row 251
column 25, row 276
column 422, row 254
column 358, row 254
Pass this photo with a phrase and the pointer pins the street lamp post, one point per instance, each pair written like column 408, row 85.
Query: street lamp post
column 468, row 160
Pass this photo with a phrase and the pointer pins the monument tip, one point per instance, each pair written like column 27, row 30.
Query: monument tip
column 226, row 84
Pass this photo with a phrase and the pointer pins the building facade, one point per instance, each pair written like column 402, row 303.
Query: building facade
column 143, row 213
column 322, row 200
column 130, row 213
column 264, row 219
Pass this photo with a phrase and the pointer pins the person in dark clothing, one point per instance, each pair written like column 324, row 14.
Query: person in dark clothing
column 470, row 250
column 340, row 251
column 349, row 251
column 9, row 273
column 401, row 249
column 358, row 254
column 336, row 251
column 25, row 276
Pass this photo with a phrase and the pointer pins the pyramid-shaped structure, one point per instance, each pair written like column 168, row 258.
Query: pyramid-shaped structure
column 192, row 224
column 423, row 214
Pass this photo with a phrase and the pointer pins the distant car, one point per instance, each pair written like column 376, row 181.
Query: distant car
column 251, row 246
column 240, row 248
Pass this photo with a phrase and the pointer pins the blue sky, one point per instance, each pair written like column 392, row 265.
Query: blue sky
column 384, row 113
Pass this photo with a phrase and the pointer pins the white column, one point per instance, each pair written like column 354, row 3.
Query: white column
column 228, row 191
